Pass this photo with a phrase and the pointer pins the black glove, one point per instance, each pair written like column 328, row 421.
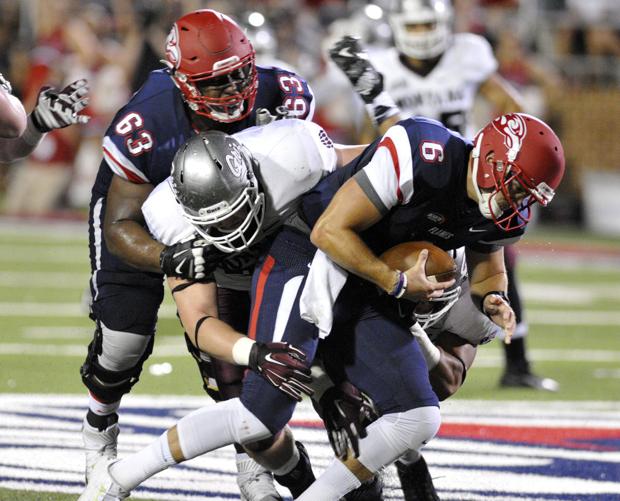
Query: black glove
column 57, row 109
column 352, row 59
column 283, row 366
column 191, row 259
column 346, row 412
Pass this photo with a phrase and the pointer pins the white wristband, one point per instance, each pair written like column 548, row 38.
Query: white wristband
column 429, row 350
column 241, row 350
column 382, row 108
column 321, row 382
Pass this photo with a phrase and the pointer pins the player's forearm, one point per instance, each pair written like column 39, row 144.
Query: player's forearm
column 388, row 122
column 129, row 241
column 12, row 116
column 346, row 153
column 346, row 248
column 447, row 376
column 218, row 339
column 22, row 146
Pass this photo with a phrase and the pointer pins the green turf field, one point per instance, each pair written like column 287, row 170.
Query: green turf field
column 573, row 310
column 572, row 300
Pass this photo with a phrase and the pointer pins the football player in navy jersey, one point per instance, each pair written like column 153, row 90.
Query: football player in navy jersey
column 211, row 83
column 436, row 73
column 20, row 133
column 421, row 181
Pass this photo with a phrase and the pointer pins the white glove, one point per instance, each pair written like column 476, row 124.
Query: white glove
column 55, row 110
column 5, row 84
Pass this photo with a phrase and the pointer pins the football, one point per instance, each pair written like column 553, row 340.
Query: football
column 439, row 264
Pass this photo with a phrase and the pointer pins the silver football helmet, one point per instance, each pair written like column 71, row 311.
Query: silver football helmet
column 422, row 29
column 428, row 313
column 213, row 180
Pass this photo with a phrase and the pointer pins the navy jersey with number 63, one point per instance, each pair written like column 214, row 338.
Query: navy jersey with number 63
column 416, row 176
column 141, row 142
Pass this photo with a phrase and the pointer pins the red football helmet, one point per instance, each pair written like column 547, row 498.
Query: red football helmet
column 517, row 161
column 211, row 61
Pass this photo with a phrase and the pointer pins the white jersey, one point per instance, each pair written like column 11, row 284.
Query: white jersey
column 293, row 156
column 464, row 319
column 447, row 93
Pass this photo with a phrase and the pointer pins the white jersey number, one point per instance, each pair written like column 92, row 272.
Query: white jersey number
column 431, row 152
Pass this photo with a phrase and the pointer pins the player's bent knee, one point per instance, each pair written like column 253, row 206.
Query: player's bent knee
column 214, row 426
column 260, row 445
column 111, row 369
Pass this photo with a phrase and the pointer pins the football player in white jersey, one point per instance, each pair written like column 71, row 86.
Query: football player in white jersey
column 20, row 133
column 288, row 157
column 436, row 73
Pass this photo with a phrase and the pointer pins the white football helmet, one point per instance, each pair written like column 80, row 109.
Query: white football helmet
column 422, row 28
column 213, row 180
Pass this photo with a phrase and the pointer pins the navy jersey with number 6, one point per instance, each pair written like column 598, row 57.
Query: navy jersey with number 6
column 416, row 176
column 141, row 142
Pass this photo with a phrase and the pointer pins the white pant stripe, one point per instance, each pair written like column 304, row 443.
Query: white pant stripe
column 97, row 235
column 289, row 293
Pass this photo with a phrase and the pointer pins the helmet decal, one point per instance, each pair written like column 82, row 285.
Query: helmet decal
column 513, row 128
column 173, row 51
column 236, row 162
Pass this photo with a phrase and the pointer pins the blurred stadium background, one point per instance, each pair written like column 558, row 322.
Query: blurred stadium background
column 563, row 55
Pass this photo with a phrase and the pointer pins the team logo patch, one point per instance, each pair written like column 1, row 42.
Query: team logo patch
column 435, row 217
column 513, row 128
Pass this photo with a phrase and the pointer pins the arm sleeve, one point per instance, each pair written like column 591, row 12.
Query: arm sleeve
column 387, row 180
column 297, row 96
column 164, row 217
column 120, row 163
column 320, row 143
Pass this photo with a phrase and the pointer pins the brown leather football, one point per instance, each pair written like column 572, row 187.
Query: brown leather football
column 439, row 263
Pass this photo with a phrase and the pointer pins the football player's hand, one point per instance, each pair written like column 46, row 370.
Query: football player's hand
column 190, row 259
column 419, row 287
column 352, row 59
column 346, row 412
column 283, row 366
column 57, row 109
column 501, row 313
column 264, row 116
column 5, row 84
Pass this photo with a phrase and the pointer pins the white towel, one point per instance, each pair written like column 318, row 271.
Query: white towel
column 325, row 281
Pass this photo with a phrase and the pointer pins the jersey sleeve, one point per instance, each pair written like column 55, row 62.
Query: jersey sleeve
column 297, row 96
column 319, row 147
column 144, row 135
column 164, row 217
column 387, row 180
column 114, row 154
column 476, row 57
